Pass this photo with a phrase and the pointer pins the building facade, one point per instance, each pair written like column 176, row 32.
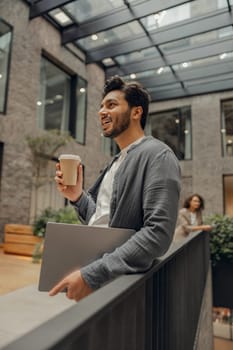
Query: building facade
column 31, row 43
column 208, row 167
column 45, row 85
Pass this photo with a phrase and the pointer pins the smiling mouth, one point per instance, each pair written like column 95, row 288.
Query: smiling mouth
column 106, row 122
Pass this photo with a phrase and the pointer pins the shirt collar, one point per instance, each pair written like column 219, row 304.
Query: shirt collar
column 126, row 149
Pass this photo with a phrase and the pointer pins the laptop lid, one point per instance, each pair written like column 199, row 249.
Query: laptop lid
column 68, row 247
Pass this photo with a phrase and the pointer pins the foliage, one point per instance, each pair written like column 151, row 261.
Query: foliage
column 221, row 238
column 48, row 143
column 64, row 215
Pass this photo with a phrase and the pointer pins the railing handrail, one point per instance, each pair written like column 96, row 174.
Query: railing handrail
column 75, row 319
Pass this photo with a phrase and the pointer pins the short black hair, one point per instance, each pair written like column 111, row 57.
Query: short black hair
column 134, row 92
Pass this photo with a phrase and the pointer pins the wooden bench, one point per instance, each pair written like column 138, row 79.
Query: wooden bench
column 19, row 239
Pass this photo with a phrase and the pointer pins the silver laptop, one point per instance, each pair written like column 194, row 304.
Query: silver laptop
column 68, row 247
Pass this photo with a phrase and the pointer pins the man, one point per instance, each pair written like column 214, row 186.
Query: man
column 138, row 190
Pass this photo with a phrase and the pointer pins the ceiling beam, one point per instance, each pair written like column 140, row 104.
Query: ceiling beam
column 167, row 94
column 117, row 17
column 191, row 54
column 224, row 83
column 43, row 6
column 142, row 42
column 195, row 53
column 206, row 71
column 198, row 89
column 188, row 75
column 197, row 26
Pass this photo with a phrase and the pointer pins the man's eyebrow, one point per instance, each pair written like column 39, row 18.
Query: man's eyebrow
column 108, row 101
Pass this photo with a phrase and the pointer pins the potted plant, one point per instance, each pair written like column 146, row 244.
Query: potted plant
column 221, row 251
column 64, row 215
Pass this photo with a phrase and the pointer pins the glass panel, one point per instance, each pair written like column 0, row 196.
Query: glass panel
column 81, row 110
column 204, row 62
column 148, row 73
column 166, row 17
column 83, row 10
column 174, row 128
column 183, row 12
column 111, row 36
column 227, row 127
column 151, row 52
column 228, row 194
column 54, row 100
column 205, row 38
column 5, row 46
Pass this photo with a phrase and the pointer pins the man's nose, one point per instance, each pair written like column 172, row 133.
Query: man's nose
column 103, row 112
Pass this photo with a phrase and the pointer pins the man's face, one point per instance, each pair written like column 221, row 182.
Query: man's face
column 114, row 114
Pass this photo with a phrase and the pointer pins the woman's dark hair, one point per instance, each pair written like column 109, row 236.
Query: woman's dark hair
column 188, row 200
column 135, row 94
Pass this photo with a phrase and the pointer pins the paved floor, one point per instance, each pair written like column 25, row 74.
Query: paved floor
column 16, row 272
column 19, row 272
column 22, row 306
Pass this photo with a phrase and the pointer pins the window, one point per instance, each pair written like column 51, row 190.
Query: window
column 174, row 128
column 62, row 101
column 5, row 48
column 227, row 127
column 80, row 125
column 228, row 194
column 109, row 146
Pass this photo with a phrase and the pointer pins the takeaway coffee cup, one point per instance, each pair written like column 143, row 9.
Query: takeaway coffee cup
column 69, row 164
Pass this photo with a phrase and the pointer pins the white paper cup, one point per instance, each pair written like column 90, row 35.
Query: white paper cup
column 69, row 165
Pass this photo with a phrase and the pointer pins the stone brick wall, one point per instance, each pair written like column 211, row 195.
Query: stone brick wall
column 30, row 39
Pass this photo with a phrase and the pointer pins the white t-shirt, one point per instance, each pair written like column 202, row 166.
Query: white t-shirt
column 101, row 215
column 193, row 219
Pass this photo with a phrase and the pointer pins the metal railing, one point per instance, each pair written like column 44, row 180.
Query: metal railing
column 157, row 310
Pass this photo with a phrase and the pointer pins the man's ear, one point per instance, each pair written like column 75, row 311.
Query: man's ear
column 137, row 113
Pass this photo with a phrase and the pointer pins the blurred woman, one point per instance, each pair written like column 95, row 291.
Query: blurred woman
column 190, row 217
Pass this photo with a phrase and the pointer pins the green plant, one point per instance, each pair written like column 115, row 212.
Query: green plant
column 221, row 238
column 46, row 144
column 43, row 148
column 64, row 215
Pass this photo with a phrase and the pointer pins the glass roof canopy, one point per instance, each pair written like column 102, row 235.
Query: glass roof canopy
column 175, row 48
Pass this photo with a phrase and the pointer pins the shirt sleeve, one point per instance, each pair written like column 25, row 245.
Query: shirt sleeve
column 85, row 207
column 184, row 223
column 160, row 205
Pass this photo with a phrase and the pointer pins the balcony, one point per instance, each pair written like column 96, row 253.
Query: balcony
column 169, row 307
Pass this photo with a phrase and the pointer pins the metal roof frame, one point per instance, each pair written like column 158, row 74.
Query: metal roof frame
column 174, row 83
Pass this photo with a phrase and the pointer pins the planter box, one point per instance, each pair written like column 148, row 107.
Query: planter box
column 222, row 279
column 19, row 239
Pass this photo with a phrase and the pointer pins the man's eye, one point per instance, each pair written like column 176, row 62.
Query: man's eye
column 112, row 105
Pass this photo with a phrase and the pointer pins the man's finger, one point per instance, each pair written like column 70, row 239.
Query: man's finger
column 58, row 288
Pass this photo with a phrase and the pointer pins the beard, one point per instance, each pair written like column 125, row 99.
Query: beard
column 119, row 126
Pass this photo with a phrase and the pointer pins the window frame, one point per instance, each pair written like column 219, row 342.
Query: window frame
column 225, row 191
column 6, row 88
column 179, row 112
column 73, row 98
column 222, row 124
column 74, row 108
